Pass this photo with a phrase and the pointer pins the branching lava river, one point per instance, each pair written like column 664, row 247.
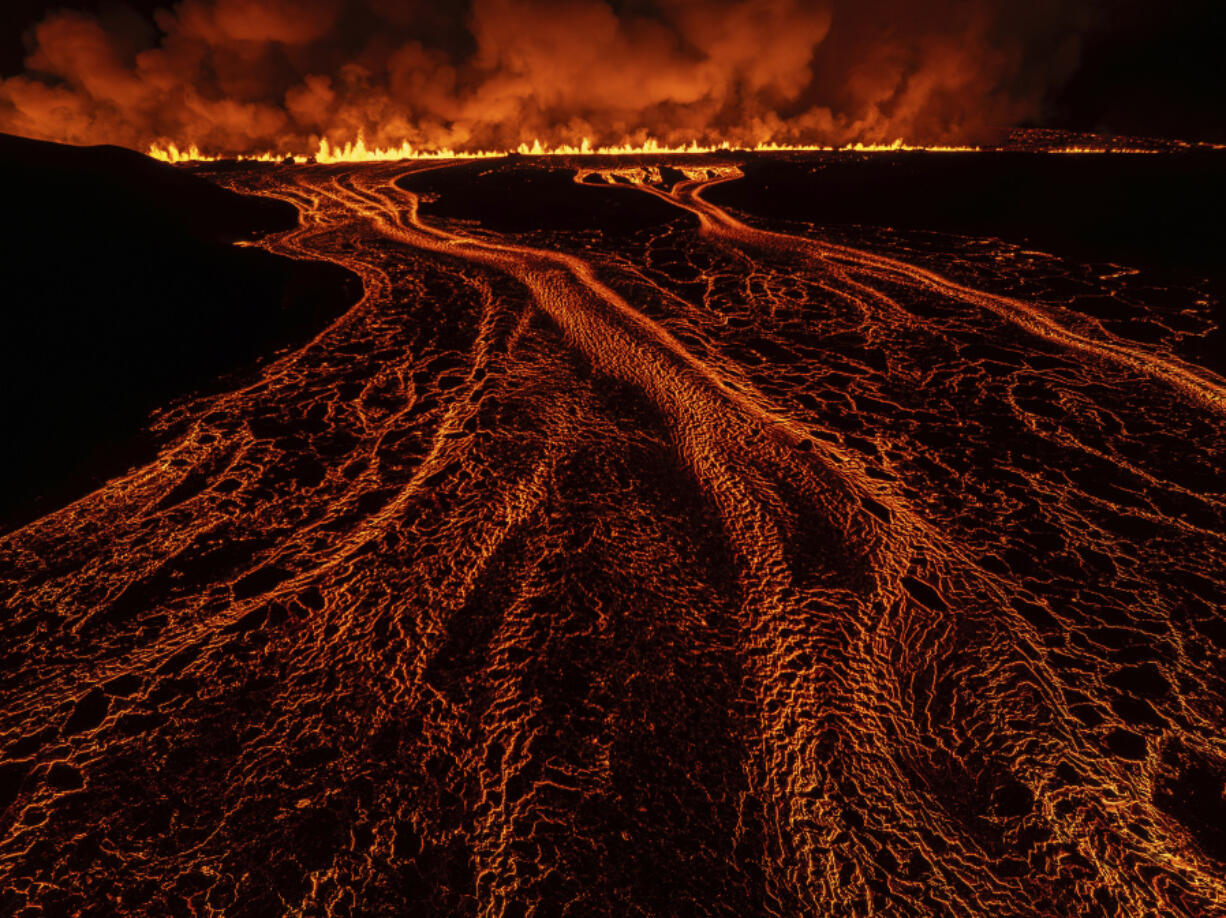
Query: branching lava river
column 717, row 566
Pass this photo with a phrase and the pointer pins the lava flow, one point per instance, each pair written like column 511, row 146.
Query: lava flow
column 709, row 565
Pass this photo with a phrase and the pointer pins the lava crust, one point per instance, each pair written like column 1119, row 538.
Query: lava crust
column 717, row 564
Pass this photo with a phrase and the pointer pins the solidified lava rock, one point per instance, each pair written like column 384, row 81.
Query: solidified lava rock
column 65, row 777
column 1127, row 744
column 533, row 197
column 89, row 712
column 12, row 774
column 519, row 593
column 1192, row 789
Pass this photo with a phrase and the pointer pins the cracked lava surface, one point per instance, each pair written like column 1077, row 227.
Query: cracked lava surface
column 723, row 566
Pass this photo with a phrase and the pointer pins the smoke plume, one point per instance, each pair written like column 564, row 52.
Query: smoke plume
column 249, row 75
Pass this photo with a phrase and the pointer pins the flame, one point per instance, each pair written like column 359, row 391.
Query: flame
column 172, row 154
column 358, row 152
column 900, row 146
column 1101, row 150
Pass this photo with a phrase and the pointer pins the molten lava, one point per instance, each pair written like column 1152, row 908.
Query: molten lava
column 689, row 562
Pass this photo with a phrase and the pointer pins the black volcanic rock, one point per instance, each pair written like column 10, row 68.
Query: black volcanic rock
column 1160, row 212
column 1149, row 210
column 122, row 291
column 120, row 187
column 88, row 713
column 524, row 196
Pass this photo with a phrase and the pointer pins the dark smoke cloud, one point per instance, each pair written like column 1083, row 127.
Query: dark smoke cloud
column 246, row 75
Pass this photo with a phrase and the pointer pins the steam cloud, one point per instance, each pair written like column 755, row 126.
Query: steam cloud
column 249, row 75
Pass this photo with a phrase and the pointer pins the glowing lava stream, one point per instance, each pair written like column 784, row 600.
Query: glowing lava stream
column 874, row 569
column 1203, row 386
column 433, row 610
column 713, row 422
column 615, row 336
column 732, row 446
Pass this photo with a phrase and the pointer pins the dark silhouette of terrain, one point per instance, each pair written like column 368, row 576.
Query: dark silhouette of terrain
column 122, row 291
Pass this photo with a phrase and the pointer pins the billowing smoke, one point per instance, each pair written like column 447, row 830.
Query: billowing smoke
column 248, row 75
